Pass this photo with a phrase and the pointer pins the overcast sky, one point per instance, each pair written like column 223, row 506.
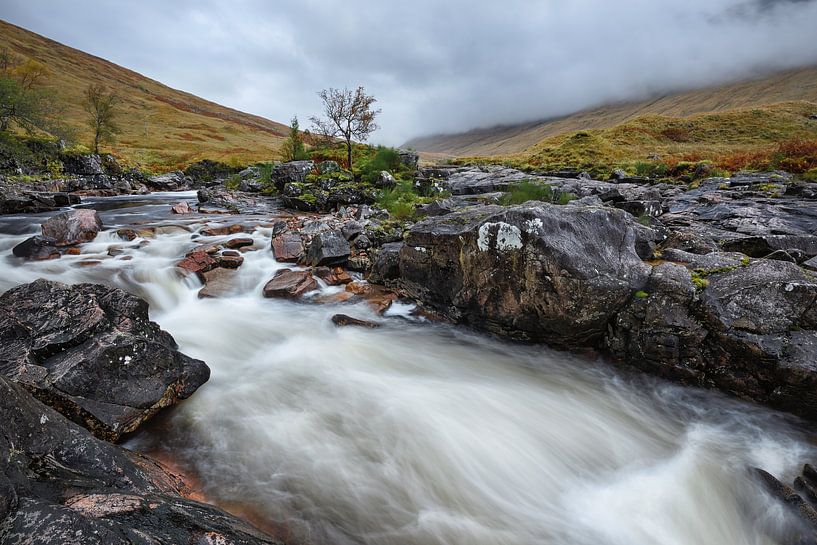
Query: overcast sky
column 434, row 65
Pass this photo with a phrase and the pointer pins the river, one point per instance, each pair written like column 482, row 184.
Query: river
column 422, row 433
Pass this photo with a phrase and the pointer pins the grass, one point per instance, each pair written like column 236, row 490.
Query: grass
column 791, row 85
column 530, row 191
column 402, row 200
column 162, row 129
column 776, row 136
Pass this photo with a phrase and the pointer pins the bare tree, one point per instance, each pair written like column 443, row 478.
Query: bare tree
column 101, row 108
column 349, row 115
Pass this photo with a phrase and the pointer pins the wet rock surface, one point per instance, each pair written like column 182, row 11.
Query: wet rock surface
column 92, row 353
column 72, row 227
column 290, row 284
column 61, row 485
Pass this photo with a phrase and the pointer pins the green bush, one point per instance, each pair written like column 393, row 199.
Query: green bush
column 233, row 182
column 527, row 191
column 384, row 159
column 401, row 201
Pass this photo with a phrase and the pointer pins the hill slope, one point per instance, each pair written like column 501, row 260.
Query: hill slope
column 793, row 85
column 162, row 128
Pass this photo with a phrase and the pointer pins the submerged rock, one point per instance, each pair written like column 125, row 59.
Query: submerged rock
column 344, row 320
column 36, row 248
column 92, row 353
column 72, row 227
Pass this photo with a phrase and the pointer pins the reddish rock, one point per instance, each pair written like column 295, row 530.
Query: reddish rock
column 72, row 227
column 73, row 251
column 288, row 247
column 290, row 284
column 181, row 208
column 218, row 282
column 334, row 298
column 333, row 276
column 239, row 242
column 377, row 296
column 198, row 262
column 224, row 230
column 127, row 234
column 230, row 259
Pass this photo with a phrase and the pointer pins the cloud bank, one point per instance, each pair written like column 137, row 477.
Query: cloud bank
column 434, row 65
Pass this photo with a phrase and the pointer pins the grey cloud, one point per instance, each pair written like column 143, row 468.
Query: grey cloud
column 443, row 65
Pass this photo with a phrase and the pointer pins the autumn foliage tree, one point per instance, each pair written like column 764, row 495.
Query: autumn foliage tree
column 24, row 102
column 348, row 115
column 100, row 105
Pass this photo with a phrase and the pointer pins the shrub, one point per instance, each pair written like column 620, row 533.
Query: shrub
column 384, row 159
column 401, row 201
column 233, row 182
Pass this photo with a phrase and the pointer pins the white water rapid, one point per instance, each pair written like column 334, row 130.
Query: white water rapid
column 418, row 433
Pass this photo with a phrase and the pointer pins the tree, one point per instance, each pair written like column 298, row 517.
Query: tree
column 349, row 115
column 101, row 108
column 293, row 148
column 23, row 101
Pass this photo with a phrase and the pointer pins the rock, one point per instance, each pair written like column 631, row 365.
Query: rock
column 224, row 230
column 172, row 181
column 62, row 485
column 761, row 246
column 291, row 172
column 84, row 165
column 290, row 284
column 127, row 234
column 748, row 330
column 387, row 263
column 72, row 227
column 351, row 230
column 329, row 167
column 811, row 264
column 385, row 180
column 217, row 283
column 344, row 320
column 92, row 353
column 542, row 273
column 181, row 208
column 288, row 247
column 239, row 242
column 198, row 262
column 359, row 263
column 362, row 242
column 332, row 276
column 230, row 259
column 36, row 248
column 328, row 248
column 409, row 158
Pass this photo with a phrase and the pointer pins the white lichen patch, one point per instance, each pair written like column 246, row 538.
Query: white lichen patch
column 420, row 249
column 532, row 226
column 508, row 237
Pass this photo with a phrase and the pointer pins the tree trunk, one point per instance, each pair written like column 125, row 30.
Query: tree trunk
column 349, row 153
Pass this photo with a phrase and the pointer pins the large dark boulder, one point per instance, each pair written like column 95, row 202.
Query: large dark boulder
column 92, row 353
column 535, row 272
column 59, row 484
column 291, row 172
column 83, row 164
column 328, row 248
column 72, row 227
column 36, row 248
column 750, row 330
column 172, row 181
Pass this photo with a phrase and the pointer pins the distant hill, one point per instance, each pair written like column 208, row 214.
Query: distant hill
column 163, row 128
column 792, row 85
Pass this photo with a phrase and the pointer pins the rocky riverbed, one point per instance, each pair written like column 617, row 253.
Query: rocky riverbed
column 711, row 286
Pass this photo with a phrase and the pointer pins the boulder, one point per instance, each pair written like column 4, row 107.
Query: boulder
column 182, row 207
column 409, row 158
column 291, row 172
column 386, row 265
column 545, row 273
column 239, row 242
column 328, row 248
column 290, row 284
column 36, row 248
column 84, row 165
column 92, row 353
column 172, row 181
column 288, row 247
column 217, row 283
column 72, row 227
column 750, row 330
column 332, row 276
column 198, row 262
column 62, row 485
column 385, row 180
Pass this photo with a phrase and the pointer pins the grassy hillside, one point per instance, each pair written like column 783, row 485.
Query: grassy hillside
column 162, row 128
column 793, row 85
column 777, row 136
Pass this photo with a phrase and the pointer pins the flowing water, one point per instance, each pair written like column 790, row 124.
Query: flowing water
column 419, row 433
